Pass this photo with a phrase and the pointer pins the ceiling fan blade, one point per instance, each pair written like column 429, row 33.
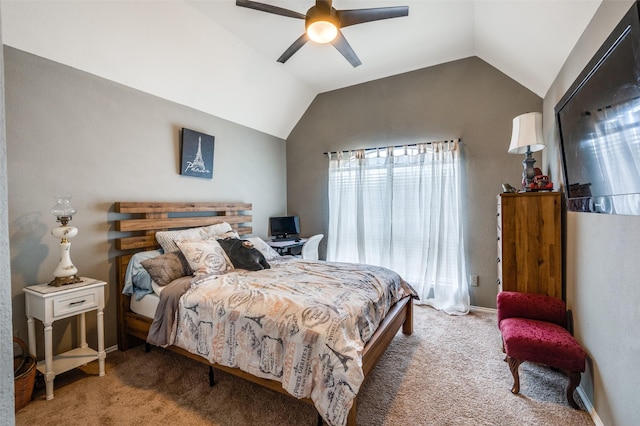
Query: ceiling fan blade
column 344, row 47
column 269, row 9
column 360, row 16
column 293, row 48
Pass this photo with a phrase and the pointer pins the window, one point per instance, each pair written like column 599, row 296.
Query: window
column 399, row 207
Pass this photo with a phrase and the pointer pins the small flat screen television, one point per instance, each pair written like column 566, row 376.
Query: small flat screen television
column 599, row 123
column 284, row 227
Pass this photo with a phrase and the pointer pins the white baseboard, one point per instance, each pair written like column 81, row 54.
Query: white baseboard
column 482, row 309
column 589, row 406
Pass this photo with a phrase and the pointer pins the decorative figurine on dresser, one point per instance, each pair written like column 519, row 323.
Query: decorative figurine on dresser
column 66, row 296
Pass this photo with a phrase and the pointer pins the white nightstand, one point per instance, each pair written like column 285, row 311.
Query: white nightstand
column 49, row 304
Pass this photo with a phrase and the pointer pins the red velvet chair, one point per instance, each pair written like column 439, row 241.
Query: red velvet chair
column 534, row 329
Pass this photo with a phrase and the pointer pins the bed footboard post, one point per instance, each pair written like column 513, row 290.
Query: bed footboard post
column 351, row 417
column 124, row 342
column 407, row 326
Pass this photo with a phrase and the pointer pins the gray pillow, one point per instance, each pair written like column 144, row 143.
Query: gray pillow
column 167, row 267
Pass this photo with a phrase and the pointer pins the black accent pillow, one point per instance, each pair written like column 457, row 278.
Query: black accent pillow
column 243, row 254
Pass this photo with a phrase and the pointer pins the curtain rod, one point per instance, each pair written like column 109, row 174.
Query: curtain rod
column 411, row 145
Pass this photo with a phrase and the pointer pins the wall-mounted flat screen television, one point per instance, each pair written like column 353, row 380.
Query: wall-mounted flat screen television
column 599, row 123
column 285, row 227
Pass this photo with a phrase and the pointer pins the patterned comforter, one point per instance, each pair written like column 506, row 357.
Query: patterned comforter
column 302, row 323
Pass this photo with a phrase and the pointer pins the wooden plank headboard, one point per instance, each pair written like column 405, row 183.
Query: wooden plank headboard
column 142, row 221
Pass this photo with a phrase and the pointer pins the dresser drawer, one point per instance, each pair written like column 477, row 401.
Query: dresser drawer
column 75, row 303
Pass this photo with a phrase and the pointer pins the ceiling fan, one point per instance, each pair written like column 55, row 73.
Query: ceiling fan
column 323, row 23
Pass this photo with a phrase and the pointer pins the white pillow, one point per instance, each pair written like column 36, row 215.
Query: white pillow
column 267, row 251
column 167, row 239
column 205, row 256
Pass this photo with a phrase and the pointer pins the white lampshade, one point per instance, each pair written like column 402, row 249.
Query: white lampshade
column 527, row 133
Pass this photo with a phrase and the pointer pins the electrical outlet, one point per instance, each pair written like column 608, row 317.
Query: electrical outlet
column 473, row 280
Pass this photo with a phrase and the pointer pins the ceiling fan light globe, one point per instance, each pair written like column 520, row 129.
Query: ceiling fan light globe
column 322, row 31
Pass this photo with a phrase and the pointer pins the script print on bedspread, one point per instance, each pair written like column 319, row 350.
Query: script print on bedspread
column 302, row 323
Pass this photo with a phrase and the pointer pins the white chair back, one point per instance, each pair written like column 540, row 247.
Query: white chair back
column 310, row 247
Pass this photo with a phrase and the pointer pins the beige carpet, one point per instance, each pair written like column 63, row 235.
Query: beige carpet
column 449, row 372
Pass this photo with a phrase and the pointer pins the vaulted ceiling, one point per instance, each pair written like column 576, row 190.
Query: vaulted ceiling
column 221, row 59
column 527, row 40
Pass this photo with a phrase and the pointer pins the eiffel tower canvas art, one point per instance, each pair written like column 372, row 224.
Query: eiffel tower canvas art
column 196, row 154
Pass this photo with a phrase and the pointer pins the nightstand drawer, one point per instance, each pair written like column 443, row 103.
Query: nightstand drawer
column 77, row 302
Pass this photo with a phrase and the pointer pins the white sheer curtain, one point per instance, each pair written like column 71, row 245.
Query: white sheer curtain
column 400, row 208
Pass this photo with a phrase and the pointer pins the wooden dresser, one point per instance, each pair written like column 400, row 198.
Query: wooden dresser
column 530, row 243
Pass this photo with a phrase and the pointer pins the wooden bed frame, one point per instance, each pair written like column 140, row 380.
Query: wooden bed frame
column 144, row 219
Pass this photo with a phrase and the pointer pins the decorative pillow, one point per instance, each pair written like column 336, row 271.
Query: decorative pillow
column 168, row 267
column 167, row 239
column 205, row 256
column 244, row 255
column 268, row 252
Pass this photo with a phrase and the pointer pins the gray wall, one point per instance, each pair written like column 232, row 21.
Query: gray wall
column 6, row 349
column 466, row 99
column 69, row 131
column 602, row 267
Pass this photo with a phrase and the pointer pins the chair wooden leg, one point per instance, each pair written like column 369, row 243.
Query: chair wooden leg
column 574, row 381
column 513, row 366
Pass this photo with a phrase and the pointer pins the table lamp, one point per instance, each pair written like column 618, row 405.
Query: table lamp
column 526, row 138
column 65, row 272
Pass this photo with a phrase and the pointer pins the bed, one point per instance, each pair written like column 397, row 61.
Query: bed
column 140, row 221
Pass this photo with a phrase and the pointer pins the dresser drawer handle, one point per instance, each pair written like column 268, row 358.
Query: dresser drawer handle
column 79, row 302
